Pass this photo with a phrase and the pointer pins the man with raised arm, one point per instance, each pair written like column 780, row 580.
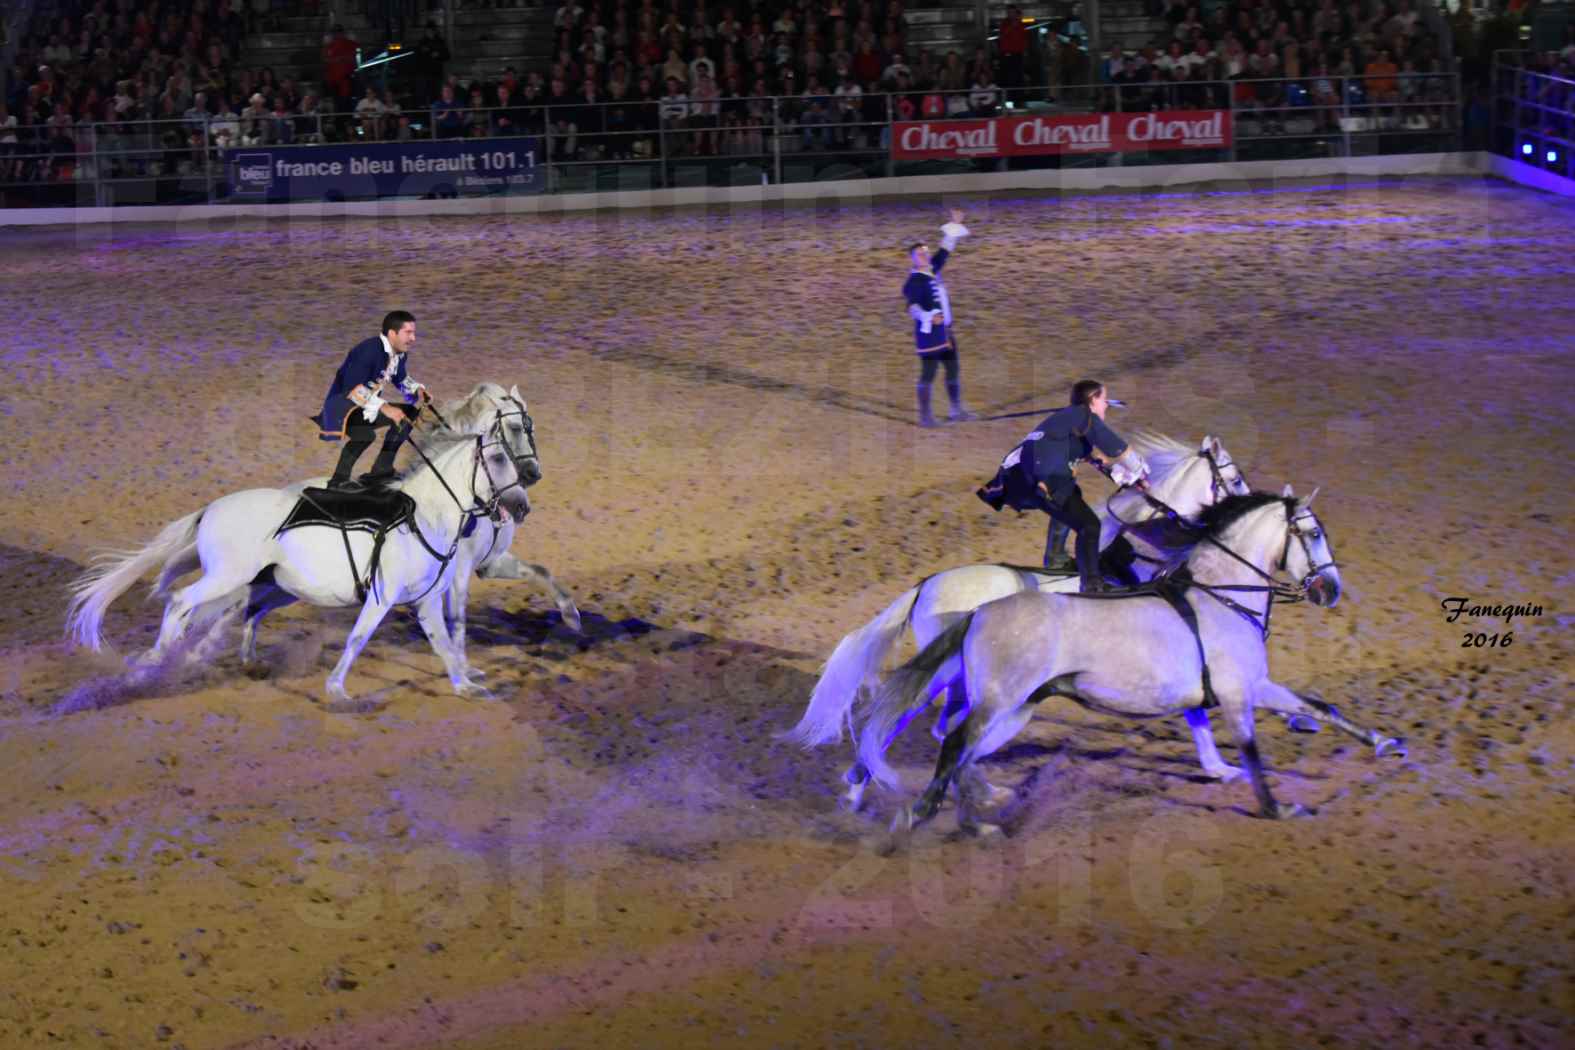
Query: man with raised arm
column 931, row 310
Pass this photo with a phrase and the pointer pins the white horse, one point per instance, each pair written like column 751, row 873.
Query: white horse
column 483, row 548
column 1186, row 480
column 1137, row 655
column 237, row 547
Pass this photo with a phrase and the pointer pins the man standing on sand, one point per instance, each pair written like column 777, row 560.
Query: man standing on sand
column 931, row 311
column 355, row 408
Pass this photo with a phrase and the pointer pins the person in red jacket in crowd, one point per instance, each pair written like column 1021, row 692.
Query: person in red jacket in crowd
column 339, row 66
column 1012, row 46
column 866, row 65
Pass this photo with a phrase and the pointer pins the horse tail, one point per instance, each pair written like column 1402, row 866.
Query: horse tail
column 906, row 692
column 856, row 658
column 112, row 574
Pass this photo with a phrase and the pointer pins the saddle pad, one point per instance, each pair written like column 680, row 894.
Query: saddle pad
column 371, row 511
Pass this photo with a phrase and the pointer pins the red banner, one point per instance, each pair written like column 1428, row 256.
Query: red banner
column 1024, row 136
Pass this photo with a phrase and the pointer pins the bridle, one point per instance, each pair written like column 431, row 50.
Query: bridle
column 479, row 508
column 1279, row 593
column 525, row 422
column 1219, row 488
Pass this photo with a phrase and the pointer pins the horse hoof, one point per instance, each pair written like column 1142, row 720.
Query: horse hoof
column 1302, row 724
column 989, row 833
column 474, row 691
column 1223, row 774
column 996, row 797
column 1288, row 811
column 571, row 616
column 1389, row 745
column 853, row 801
column 475, row 674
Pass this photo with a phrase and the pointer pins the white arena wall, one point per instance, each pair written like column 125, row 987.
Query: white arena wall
column 1075, row 180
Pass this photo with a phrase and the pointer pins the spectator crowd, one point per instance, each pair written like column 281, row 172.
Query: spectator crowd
column 1283, row 56
column 92, row 76
column 723, row 76
column 145, row 87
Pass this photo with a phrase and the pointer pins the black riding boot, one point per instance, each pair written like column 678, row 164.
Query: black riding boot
column 1092, row 581
column 1056, row 557
column 922, row 390
column 382, row 470
column 347, row 456
column 958, row 414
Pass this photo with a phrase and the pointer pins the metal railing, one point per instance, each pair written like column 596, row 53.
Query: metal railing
column 765, row 139
column 1533, row 115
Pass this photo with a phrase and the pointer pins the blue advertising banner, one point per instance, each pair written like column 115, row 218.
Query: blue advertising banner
column 464, row 167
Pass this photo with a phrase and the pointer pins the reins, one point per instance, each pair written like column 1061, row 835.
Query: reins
column 468, row 515
column 1171, row 588
column 1172, row 585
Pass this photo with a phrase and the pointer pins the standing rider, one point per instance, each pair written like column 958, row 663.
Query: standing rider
column 1038, row 473
column 355, row 406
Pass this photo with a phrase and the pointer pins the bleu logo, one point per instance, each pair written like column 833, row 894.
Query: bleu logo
column 253, row 172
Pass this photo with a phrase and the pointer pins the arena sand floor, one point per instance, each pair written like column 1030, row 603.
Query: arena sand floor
column 617, row 852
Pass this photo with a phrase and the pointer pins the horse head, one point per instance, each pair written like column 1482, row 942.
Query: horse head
column 1307, row 556
column 519, row 432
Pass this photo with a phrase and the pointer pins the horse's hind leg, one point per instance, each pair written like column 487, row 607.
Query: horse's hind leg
column 973, row 789
column 858, row 779
column 945, row 768
column 263, row 597
column 1276, row 697
column 178, row 612
column 969, row 778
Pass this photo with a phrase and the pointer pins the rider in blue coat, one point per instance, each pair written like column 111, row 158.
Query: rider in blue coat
column 931, row 309
column 356, row 404
column 1038, row 473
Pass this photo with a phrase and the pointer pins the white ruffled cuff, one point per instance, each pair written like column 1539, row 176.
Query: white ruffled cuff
column 370, row 408
column 1128, row 469
column 921, row 315
column 951, row 233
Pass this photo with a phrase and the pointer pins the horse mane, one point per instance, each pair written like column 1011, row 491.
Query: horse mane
column 466, row 414
column 1216, row 519
column 1164, row 453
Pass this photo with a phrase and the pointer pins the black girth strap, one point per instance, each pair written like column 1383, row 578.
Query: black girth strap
column 379, row 534
column 1175, row 593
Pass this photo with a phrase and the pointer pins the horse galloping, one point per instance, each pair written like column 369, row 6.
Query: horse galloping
column 1140, row 655
column 1184, row 481
column 237, row 548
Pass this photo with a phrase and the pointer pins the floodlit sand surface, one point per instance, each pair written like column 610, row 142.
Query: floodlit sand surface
column 617, row 852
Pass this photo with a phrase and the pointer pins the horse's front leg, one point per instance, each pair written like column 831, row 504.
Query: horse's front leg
column 1209, row 758
column 430, row 613
column 508, row 567
column 372, row 612
column 457, row 599
column 1276, row 697
column 1236, row 705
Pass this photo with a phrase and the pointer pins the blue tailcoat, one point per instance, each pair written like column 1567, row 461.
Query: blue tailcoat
column 365, row 364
